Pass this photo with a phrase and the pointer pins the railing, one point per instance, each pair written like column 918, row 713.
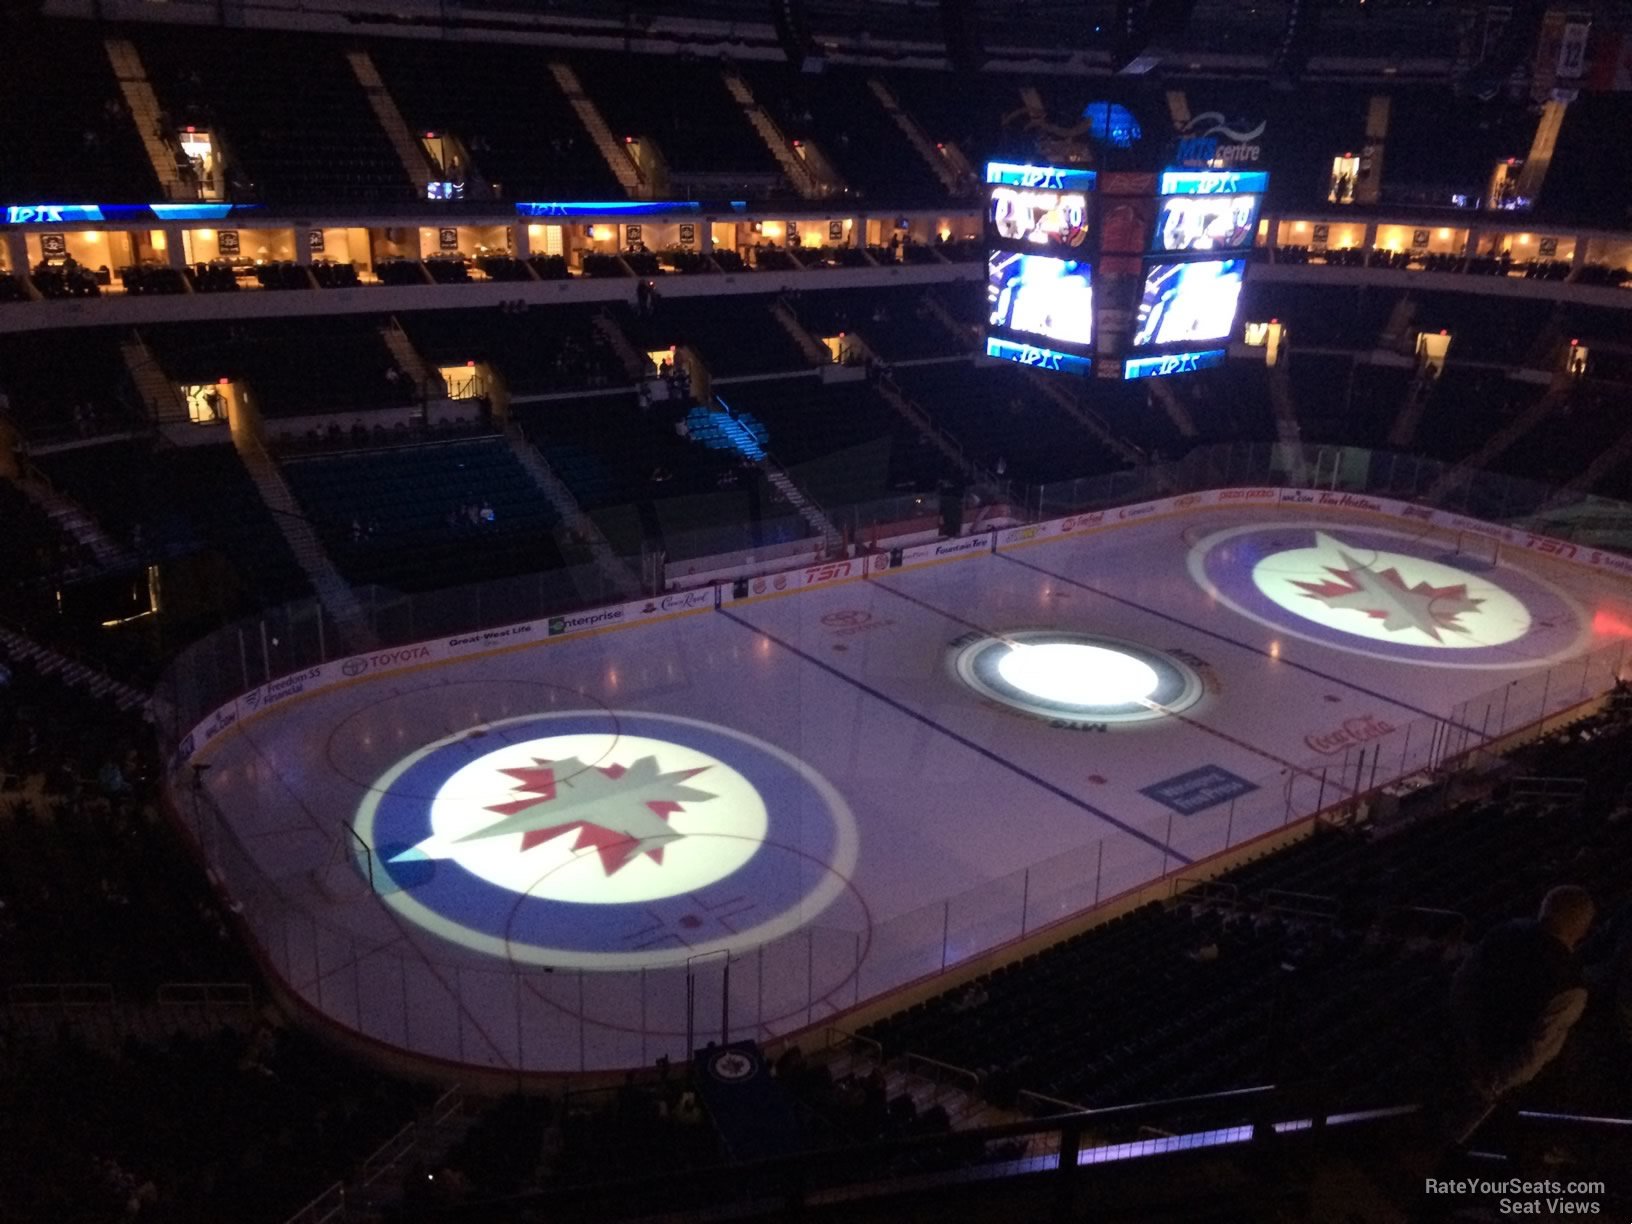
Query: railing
column 327, row 1206
column 573, row 1019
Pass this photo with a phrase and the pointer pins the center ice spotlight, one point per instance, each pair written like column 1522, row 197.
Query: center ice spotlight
column 1078, row 673
column 1075, row 678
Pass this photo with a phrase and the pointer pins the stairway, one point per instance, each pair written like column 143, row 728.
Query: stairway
column 915, row 136
column 944, row 442
column 333, row 591
column 415, row 164
column 431, row 384
column 718, row 429
column 799, row 174
column 1605, row 462
column 161, row 397
column 1403, row 432
column 617, row 156
column 621, row 578
column 1161, row 390
column 1498, row 443
column 144, row 109
column 815, row 351
column 938, row 311
column 1129, row 453
column 48, row 662
column 635, row 363
column 75, row 522
column 1287, row 431
column 832, row 538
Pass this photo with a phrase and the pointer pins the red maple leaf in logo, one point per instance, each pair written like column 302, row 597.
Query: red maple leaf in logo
column 619, row 811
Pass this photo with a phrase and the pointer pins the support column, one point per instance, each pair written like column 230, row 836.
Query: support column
column 521, row 242
column 17, row 252
column 303, row 244
column 175, row 250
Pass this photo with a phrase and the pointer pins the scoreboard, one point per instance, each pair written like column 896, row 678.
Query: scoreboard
column 1123, row 275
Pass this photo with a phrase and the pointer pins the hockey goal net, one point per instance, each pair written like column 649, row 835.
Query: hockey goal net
column 1477, row 551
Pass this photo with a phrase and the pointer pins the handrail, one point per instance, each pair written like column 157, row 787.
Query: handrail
column 388, row 1155
column 1066, row 1106
column 909, row 1058
column 329, row 1203
column 827, row 1040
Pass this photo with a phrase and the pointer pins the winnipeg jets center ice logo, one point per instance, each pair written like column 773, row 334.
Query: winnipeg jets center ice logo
column 1384, row 596
column 1388, row 594
column 619, row 811
column 602, row 839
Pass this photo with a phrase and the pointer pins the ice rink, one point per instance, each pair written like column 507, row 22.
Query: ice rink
column 532, row 858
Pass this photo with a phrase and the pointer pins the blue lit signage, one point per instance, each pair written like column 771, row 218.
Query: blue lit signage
column 196, row 212
column 1052, row 178
column 1033, row 355
column 604, row 208
column 51, row 214
column 68, row 214
column 1213, row 182
column 1171, row 363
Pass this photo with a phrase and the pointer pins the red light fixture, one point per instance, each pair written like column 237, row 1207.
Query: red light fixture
column 221, row 382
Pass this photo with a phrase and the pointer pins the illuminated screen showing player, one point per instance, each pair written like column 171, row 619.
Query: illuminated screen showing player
column 1189, row 301
column 1206, row 223
column 1045, row 217
column 1038, row 296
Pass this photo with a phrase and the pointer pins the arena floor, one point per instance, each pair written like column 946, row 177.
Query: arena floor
column 532, row 859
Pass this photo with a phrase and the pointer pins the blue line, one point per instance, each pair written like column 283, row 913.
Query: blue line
column 1248, row 646
column 967, row 743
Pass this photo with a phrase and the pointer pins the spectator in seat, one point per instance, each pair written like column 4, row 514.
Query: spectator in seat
column 1513, row 1003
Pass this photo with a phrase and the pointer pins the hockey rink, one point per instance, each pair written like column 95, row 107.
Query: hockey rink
column 572, row 852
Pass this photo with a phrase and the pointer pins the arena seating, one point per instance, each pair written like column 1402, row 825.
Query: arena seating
column 641, row 481
column 842, row 442
column 80, row 140
column 170, row 503
column 293, row 366
column 894, row 323
column 537, row 351
column 504, row 106
column 289, row 110
column 995, row 415
column 65, row 385
column 1323, row 981
column 840, row 114
column 734, row 335
column 708, row 135
column 416, row 518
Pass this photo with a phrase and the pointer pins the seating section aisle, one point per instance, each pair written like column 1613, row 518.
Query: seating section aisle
column 1208, row 995
column 293, row 366
column 296, row 123
column 415, row 518
column 998, row 414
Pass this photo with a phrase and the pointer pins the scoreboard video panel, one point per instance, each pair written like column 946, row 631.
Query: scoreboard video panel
column 1206, row 223
column 1185, row 302
column 1039, row 270
column 1040, row 298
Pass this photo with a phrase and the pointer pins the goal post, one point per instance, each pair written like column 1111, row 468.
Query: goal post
column 1477, row 551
